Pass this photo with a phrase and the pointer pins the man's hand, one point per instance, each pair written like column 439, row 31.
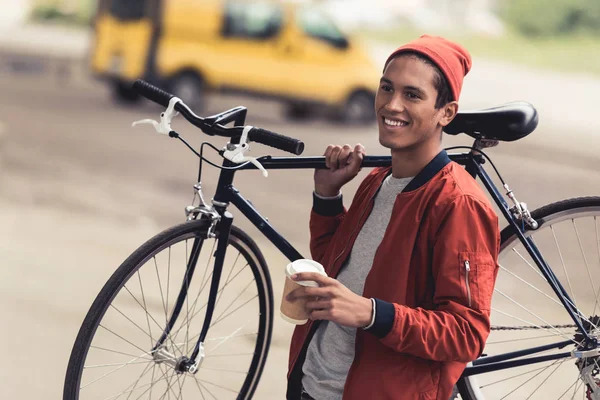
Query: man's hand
column 332, row 301
column 343, row 165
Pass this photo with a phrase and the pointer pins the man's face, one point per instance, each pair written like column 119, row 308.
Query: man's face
column 405, row 105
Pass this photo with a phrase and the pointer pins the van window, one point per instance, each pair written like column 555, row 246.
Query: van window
column 317, row 24
column 128, row 10
column 252, row 20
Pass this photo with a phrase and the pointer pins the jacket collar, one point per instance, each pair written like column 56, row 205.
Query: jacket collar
column 430, row 170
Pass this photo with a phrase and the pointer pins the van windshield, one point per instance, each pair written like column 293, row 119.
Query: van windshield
column 317, row 24
column 128, row 10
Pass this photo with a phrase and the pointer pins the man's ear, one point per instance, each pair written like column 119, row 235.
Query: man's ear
column 448, row 113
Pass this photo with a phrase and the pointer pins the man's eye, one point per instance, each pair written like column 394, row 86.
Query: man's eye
column 412, row 96
column 386, row 88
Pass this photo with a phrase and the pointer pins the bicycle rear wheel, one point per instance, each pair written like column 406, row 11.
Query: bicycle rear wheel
column 526, row 313
column 113, row 354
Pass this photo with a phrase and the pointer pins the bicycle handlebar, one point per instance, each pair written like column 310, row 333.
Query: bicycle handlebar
column 257, row 135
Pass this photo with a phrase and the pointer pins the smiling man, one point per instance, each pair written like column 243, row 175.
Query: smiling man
column 412, row 263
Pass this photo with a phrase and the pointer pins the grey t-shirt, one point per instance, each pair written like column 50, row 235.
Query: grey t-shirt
column 331, row 350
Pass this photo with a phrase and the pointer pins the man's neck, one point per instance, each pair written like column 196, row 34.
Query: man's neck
column 408, row 163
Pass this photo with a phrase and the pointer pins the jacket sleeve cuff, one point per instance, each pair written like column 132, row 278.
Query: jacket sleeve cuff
column 384, row 319
column 328, row 207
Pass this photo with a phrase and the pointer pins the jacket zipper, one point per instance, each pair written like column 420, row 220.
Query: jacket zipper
column 468, row 269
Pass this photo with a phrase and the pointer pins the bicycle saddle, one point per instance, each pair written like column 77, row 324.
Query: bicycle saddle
column 508, row 122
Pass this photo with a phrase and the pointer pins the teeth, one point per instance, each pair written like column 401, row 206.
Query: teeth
column 394, row 123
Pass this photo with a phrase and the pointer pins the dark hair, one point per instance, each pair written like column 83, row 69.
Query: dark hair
column 440, row 83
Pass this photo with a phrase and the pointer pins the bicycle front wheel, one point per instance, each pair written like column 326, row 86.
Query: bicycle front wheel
column 114, row 355
column 526, row 313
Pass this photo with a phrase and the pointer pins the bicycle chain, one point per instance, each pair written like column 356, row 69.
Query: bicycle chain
column 524, row 327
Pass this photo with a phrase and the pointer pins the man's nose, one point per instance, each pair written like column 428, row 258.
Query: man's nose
column 395, row 104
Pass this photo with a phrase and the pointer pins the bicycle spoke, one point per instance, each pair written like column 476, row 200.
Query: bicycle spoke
column 168, row 386
column 579, row 313
column 544, row 381
column 533, row 314
column 227, row 279
column 148, row 315
column 181, row 387
column 114, row 351
column 113, row 371
column 205, row 388
column 569, row 388
column 219, row 386
column 520, row 374
column 121, row 337
column 219, row 292
column 201, row 290
column 562, row 261
column 233, row 301
column 145, row 308
column 139, row 378
column 521, row 339
column 168, row 281
column 136, row 325
column 162, row 297
column 149, row 385
column 228, row 337
column 199, row 388
column 576, row 389
column 587, row 267
column 598, row 248
column 228, row 355
column 226, row 370
column 529, row 380
column 187, row 296
column 115, row 364
column 232, row 311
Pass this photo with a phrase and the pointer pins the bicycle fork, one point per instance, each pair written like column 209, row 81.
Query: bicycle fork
column 192, row 363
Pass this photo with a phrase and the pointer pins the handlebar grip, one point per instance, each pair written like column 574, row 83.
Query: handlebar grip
column 151, row 92
column 276, row 140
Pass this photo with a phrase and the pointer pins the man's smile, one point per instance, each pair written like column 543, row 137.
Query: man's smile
column 394, row 123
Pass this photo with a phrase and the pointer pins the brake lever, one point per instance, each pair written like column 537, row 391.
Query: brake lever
column 164, row 126
column 237, row 156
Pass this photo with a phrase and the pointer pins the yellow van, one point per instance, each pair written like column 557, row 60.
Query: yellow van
column 274, row 49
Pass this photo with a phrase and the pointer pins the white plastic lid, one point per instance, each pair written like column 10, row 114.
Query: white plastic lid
column 304, row 265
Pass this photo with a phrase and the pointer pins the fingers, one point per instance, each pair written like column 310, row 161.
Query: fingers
column 321, row 280
column 318, row 304
column 339, row 156
column 356, row 158
column 309, row 292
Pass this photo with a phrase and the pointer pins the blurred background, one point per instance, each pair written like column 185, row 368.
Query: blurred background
column 81, row 189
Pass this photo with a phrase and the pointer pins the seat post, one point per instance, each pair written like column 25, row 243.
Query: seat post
column 479, row 144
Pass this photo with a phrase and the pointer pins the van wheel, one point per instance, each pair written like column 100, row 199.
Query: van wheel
column 298, row 111
column 190, row 88
column 358, row 109
column 124, row 93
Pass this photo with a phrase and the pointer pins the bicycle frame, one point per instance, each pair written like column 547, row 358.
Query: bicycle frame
column 226, row 194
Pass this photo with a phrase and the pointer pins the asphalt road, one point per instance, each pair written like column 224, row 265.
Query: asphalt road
column 81, row 190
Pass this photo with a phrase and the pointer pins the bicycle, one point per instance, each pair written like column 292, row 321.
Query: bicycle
column 161, row 350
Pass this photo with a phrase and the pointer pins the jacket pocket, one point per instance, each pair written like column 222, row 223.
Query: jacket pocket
column 478, row 276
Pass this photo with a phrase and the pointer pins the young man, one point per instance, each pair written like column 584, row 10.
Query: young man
column 413, row 262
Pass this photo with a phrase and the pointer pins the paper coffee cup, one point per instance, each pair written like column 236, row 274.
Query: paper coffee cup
column 295, row 312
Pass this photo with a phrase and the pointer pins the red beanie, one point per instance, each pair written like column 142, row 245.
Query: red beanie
column 451, row 58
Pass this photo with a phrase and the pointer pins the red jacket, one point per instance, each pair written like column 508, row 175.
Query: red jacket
column 432, row 277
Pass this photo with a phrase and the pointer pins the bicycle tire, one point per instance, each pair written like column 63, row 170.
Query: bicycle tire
column 547, row 216
column 239, row 240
